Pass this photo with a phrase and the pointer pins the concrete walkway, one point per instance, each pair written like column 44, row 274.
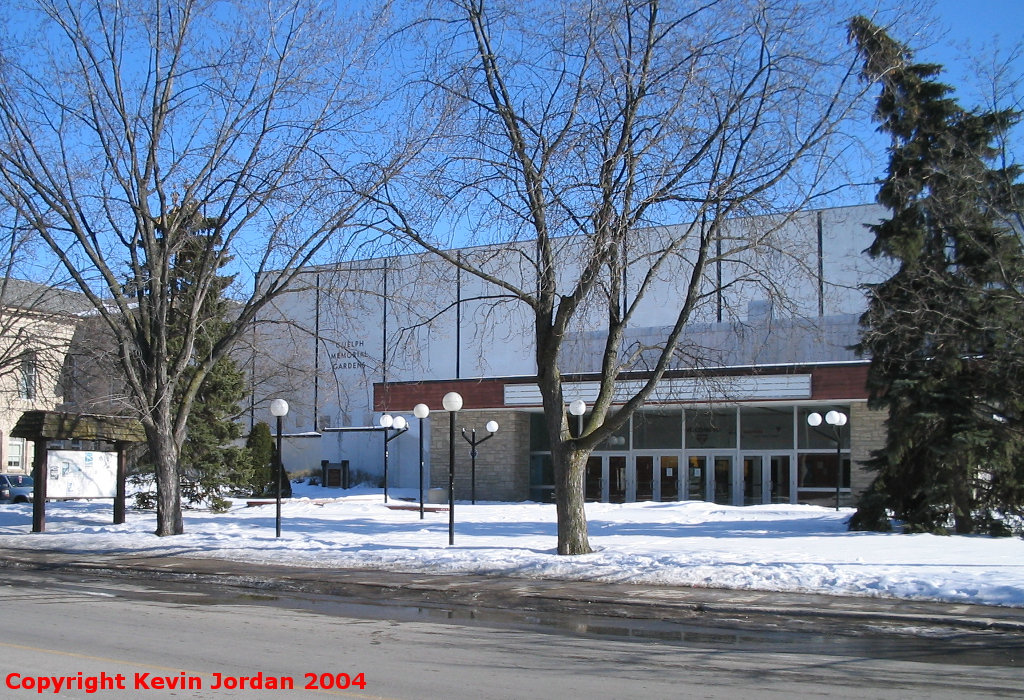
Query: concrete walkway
column 523, row 595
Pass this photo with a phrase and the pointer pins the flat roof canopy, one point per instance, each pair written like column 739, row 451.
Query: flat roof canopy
column 51, row 425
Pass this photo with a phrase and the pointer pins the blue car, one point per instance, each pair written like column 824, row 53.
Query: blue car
column 15, row 488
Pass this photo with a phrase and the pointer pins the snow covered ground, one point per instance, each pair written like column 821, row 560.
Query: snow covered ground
column 768, row 548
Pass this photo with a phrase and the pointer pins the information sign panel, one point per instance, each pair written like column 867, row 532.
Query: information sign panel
column 79, row 474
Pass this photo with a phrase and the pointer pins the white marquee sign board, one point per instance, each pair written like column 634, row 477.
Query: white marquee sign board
column 688, row 390
column 78, row 474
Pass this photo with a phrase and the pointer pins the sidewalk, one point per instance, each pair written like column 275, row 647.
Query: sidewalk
column 524, row 595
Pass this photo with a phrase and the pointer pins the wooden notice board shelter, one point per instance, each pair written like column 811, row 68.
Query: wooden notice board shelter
column 44, row 426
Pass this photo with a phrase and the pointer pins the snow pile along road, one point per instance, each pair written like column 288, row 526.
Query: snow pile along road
column 770, row 548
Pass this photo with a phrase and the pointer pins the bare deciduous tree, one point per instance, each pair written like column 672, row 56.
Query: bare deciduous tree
column 555, row 132
column 132, row 129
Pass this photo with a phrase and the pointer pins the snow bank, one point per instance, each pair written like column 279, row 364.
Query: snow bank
column 769, row 548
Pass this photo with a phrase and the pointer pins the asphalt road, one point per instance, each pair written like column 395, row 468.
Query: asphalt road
column 60, row 626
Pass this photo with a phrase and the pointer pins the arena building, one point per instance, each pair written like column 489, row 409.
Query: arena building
column 770, row 345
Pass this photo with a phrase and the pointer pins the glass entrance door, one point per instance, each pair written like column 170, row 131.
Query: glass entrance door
column 644, row 470
column 767, row 478
column 594, row 479
column 723, row 486
column 753, row 480
column 617, row 479
column 656, row 477
column 669, row 481
column 697, row 478
column 710, row 478
column 781, row 477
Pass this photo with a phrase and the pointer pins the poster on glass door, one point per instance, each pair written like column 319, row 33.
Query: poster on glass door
column 78, row 474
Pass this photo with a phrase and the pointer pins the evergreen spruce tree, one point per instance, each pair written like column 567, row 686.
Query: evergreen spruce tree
column 261, row 453
column 944, row 332
column 211, row 465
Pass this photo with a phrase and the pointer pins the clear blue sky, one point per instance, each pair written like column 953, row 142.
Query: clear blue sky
column 981, row 19
column 971, row 26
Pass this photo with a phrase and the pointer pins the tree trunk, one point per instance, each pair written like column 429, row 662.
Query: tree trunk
column 963, row 506
column 164, row 453
column 568, row 461
column 570, row 469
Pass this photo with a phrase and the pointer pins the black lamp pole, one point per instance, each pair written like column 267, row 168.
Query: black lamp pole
column 452, row 402
column 386, row 441
column 421, row 468
column 839, row 463
column 473, row 442
column 280, row 468
column 421, row 411
column 451, row 477
column 279, row 409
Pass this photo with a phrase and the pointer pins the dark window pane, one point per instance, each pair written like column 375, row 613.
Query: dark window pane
column 619, row 441
column 766, row 429
column 542, row 471
column 819, row 471
column 593, row 479
column 657, row 431
column 823, row 436
column 710, row 429
column 539, row 441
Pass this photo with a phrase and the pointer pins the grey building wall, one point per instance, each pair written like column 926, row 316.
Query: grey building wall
column 867, row 434
column 502, row 463
column 762, row 339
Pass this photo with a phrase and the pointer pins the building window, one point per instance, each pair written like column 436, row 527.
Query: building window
column 28, row 379
column 810, row 438
column 658, row 430
column 710, row 429
column 766, row 429
column 818, row 471
column 542, row 478
column 819, row 467
column 539, row 440
column 16, row 455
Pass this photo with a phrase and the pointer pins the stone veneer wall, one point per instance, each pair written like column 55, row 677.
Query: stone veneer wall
column 868, row 434
column 502, row 463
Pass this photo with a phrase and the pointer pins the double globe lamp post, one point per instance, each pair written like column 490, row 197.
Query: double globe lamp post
column 837, row 420
column 492, row 428
column 399, row 425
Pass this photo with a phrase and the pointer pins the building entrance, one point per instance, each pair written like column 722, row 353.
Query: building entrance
column 767, row 478
column 655, row 478
column 605, row 479
column 753, row 479
column 710, row 478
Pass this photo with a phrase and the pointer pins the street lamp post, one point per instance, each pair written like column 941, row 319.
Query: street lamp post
column 421, row 411
column 578, row 408
column 279, row 409
column 837, row 419
column 492, row 428
column 452, row 402
column 400, row 425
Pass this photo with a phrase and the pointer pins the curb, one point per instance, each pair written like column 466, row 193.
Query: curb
column 508, row 594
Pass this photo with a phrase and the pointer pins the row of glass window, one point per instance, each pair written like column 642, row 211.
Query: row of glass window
column 815, row 477
column 745, row 428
